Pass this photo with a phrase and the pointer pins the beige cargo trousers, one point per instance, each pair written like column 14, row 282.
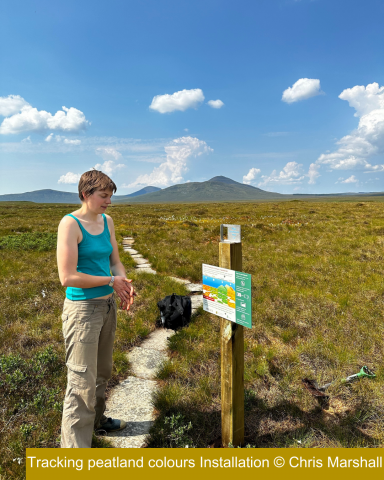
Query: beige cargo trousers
column 89, row 330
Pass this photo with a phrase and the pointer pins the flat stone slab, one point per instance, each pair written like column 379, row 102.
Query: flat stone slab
column 128, row 242
column 146, row 269
column 132, row 251
column 197, row 301
column 144, row 265
column 140, row 261
column 158, row 340
column 127, row 238
column 136, row 255
column 131, row 401
column 180, row 280
column 146, row 362
column 194, row 287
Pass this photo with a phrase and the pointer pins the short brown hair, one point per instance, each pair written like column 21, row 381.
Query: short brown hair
column 95, row 180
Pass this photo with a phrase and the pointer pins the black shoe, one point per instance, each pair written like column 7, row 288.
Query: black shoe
column 111, row 425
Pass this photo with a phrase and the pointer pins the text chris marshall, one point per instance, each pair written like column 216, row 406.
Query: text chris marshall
column 336, row 462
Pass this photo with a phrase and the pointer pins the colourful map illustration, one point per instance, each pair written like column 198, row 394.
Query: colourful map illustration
column 224, row 294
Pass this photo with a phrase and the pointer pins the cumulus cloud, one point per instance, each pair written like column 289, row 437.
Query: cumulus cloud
column 251, row 175
column 351, row 179
column 181, row 101
column 367, row 140
column 301, row 90
column 108, row 153
column 216, row 103
column 313, row 173
column 291, row 174
column 11, row 105
column 178, row 154
column 109, row 167
column 71, row 142
column 22, row 117
column 27, row 140
column 70, row 178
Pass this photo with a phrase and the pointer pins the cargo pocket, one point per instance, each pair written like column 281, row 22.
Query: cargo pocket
column 77, row 375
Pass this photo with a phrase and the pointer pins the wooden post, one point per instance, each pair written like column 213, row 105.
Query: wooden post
column 232, row 361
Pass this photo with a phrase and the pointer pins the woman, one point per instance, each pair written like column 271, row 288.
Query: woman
column 90, row 268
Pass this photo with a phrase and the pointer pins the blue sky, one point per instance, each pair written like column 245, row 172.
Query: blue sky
column 300, row 84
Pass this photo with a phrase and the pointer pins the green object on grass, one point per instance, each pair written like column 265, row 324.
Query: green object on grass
column 364, row 372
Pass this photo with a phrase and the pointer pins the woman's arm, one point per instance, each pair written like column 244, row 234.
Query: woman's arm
column 117, row 268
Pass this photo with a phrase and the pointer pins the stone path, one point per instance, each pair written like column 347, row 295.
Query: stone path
column 131, row 400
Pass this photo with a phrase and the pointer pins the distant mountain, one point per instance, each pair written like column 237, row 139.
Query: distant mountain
column 42, row 196
column 56, row 196
column 217, row 189
column 143, row 191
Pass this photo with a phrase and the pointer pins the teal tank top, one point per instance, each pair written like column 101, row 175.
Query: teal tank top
column 93, row 259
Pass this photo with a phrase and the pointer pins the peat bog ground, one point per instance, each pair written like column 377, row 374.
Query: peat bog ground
column 318, row 303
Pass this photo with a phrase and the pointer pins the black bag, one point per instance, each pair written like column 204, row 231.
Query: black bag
column 175, row 311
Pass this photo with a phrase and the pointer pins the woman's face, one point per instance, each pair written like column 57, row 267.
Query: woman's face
column 99, row 200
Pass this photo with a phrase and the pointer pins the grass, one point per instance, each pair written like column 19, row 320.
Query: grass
column 318, row 298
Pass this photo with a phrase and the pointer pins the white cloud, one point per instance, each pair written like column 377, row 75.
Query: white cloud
column 25, row 118
column 313, row 173
column 70, row 177
column 27, row 140
column 109, row 167
column 364, row 99
column 108, row 153
column 61, row 138
column 177, row 101
column 11, row 105
column 216, row 103
column 301, row 90
column 367, row 140
column 178, row 153
column 247, row 179
column 291, row 174
column 351, row 179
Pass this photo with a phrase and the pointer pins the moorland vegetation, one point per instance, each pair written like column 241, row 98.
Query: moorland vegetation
column 318, row 303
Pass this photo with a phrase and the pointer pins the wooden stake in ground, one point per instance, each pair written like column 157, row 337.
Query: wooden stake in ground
column 232, row 360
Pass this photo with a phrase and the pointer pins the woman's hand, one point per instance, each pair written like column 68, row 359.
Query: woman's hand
column 125, row 291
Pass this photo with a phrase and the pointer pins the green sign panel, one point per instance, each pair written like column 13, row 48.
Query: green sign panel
column 227, row 293
column 243, row 299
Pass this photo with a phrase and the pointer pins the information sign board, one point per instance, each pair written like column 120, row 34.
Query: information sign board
column 227, row 293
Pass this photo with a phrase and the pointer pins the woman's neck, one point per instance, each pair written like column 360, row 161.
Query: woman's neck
column 87, row 214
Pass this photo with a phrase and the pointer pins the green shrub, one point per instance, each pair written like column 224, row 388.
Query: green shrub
column 40, row 242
